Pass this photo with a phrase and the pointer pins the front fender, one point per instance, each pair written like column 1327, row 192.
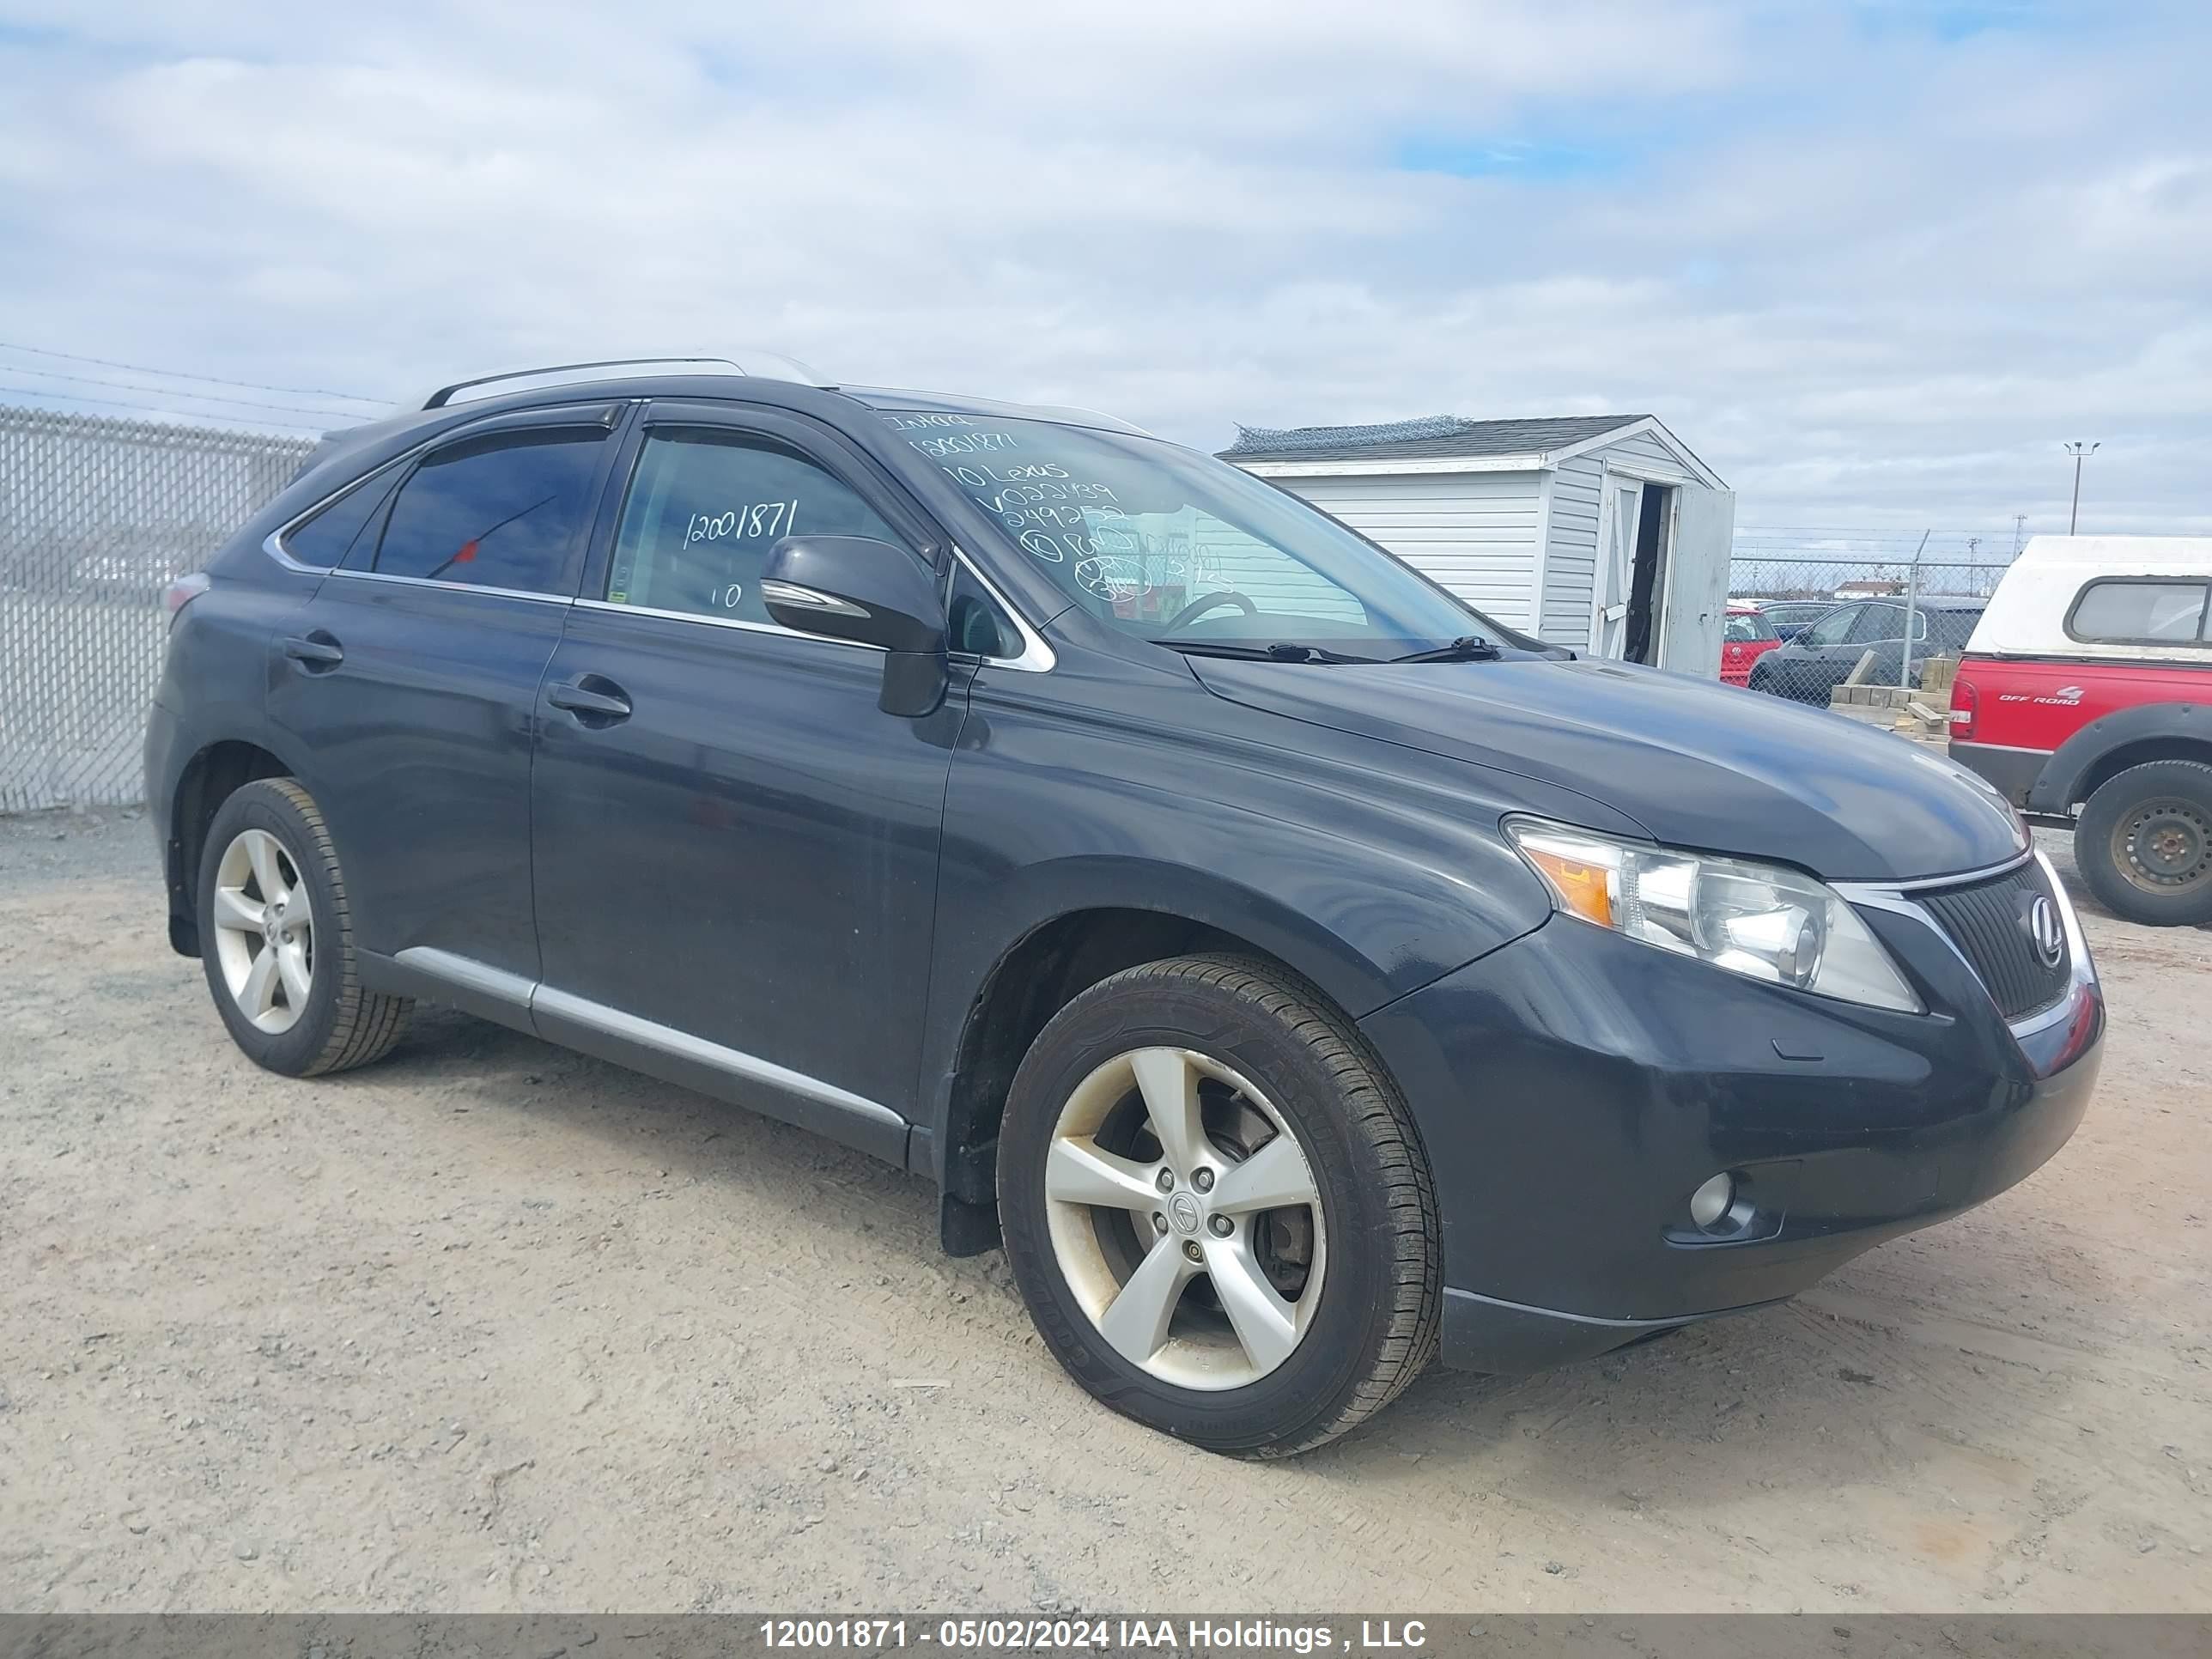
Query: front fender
column 2059, row 785
column 1371, row 868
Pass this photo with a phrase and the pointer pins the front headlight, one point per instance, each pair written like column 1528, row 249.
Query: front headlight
column 1758, row 919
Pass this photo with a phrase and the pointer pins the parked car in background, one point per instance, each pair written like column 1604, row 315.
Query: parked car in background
column 1789, row 617
column 2085, row 696
column 1298, row 973
column 1816, row 662
column 125, row 574
column 1748, row 637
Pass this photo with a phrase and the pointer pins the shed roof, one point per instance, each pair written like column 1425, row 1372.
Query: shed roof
column 1435, row 437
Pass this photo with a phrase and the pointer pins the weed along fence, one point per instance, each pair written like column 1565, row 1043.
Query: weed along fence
column 97, row 517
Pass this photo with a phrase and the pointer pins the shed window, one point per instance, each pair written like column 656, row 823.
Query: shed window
column 2141, row 612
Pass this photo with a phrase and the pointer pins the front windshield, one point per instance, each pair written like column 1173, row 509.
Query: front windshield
column 1169, row 544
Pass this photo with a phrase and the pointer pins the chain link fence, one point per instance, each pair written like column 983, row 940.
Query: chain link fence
column 97, row 517
column 1893, row 623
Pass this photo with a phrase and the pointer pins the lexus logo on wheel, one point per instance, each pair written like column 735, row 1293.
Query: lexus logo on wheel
column 2044, row 929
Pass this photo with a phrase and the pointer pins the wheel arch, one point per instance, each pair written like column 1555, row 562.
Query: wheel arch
column 214, row 772
column 2102, row 750
column 1094, row 934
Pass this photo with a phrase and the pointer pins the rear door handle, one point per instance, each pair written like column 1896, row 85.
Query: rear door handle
column 316, row 652
column 595, row 699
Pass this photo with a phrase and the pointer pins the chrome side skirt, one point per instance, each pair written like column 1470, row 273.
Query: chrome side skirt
column 682, row 1045
column 533, row 1006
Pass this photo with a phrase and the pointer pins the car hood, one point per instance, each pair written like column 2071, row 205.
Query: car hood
column 1697, row 763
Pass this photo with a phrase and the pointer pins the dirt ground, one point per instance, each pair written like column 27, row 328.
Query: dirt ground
column 495, row 1327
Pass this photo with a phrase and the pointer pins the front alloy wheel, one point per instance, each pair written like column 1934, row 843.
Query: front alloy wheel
column 1217, row 1206
column 1184, row 1217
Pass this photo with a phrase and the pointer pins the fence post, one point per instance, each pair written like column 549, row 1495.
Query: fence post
column 1911, row 606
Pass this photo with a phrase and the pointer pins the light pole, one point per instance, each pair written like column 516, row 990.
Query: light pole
column 2078, row 451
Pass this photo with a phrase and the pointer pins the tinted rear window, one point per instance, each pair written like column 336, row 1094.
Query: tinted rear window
column 498, row 511
column 2153, row 612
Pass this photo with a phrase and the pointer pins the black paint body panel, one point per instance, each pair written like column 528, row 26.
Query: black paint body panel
column 749, row 853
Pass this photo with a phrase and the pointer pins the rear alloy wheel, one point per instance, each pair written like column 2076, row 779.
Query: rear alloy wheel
column 264, row 930
column 2144, row 843
column 1217, row 1208
column 275, row 928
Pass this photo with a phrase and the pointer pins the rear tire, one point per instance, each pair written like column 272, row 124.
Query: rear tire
column 2144, row 843
column 277, row 939
column 1218, row 1209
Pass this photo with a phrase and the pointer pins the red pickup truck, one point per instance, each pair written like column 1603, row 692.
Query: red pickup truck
column 2085, row 696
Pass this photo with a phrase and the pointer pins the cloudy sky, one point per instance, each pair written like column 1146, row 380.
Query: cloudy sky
column 1874, row 260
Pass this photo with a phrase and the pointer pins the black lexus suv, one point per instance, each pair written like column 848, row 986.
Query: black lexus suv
column 1298, row 972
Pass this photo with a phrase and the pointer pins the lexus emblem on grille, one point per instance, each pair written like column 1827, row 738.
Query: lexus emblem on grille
column 2044, row 929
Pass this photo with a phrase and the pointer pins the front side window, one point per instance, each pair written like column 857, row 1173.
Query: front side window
column 2162, row 613
column 1877, row 622
column 498, row 511
column 1169, row 544
column 704, row 508
column 975, row 624
column 1832, row 628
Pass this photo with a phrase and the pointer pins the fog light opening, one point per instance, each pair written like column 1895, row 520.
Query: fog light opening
column 1710, row 1204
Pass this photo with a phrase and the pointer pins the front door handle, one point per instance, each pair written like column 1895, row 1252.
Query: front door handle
column 595, row 699
column 317, row 653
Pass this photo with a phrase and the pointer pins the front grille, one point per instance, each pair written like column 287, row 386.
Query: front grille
column 1988, row 921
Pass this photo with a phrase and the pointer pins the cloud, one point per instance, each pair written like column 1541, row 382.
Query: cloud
column 1874, row 262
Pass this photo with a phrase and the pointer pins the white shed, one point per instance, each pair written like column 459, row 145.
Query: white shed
column 1599, row 532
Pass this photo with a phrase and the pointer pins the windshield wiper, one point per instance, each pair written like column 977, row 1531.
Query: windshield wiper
column 1278, row 652
column 1468, row 648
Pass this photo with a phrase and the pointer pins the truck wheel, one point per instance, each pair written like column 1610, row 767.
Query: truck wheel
column 2144, row 843
column 277, row 937
column 1217, row 1207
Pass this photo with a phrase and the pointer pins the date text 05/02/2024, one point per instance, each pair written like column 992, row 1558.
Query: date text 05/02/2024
column 1062, row 1632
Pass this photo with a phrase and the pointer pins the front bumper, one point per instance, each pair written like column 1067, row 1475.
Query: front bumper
column 1573, row 1088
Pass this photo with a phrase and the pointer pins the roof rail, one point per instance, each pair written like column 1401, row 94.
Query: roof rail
column 444, row 394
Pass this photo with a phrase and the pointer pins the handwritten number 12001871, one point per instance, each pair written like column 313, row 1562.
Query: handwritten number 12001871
column 738, row 523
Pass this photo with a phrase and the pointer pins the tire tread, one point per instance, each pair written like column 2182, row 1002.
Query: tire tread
column 2100, row 816
column 368, row 1023
column 1378, row 1114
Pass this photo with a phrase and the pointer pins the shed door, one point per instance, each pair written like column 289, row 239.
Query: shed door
column 1616, row 565
column 1698, row 582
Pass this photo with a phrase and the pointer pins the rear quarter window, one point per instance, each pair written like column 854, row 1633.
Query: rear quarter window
column 2131, row 610
column 324, row 540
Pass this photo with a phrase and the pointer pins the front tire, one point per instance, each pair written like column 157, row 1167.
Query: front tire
column 277, row 937
column 2144, row 843
column 1217, row 1207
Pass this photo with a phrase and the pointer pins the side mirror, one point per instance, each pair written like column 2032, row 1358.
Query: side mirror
column 857, row 588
